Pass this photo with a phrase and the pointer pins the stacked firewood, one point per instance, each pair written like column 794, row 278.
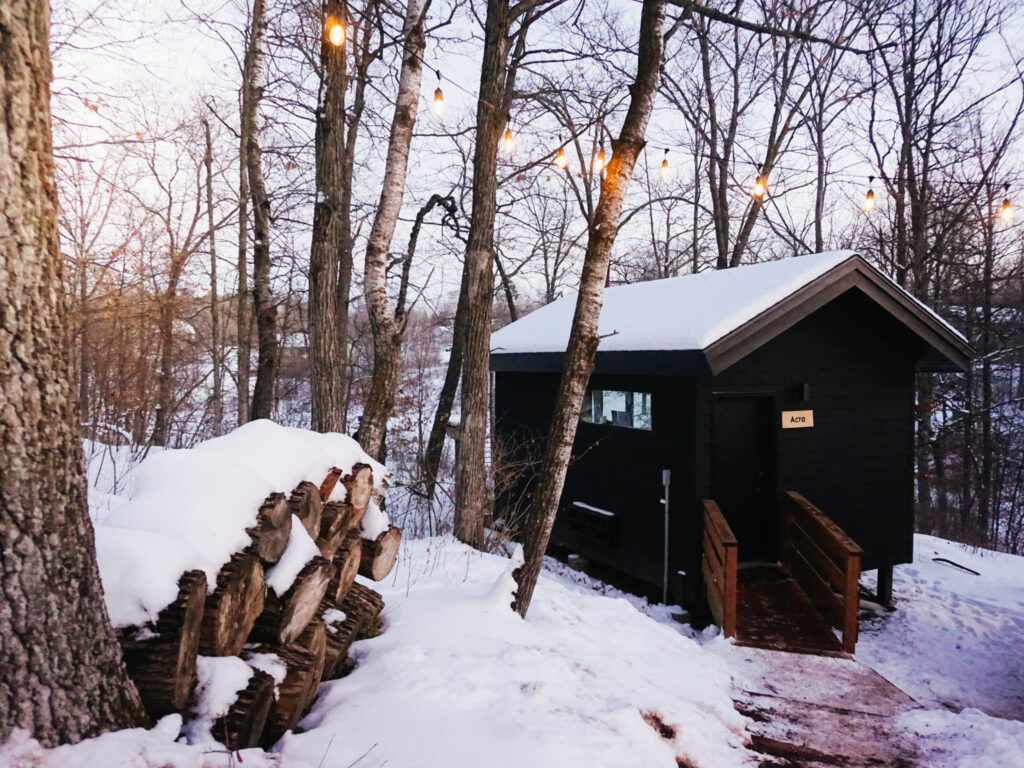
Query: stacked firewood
column 309, row 628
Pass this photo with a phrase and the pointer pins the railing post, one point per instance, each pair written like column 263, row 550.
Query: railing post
column 729, row 620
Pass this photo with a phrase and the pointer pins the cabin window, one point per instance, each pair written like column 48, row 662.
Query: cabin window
column 617, row 408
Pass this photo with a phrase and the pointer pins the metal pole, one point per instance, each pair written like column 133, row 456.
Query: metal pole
column 666, row 480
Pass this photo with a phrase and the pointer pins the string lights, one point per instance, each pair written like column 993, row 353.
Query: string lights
column 869, row 198
column 666, row 170
column 1006, row 209
column 508, row 141
column 336, row 33
column 438, row 97
column 561, row 161
column 598, row 163
column 760, row 187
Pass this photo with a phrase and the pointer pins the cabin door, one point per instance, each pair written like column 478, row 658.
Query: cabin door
column 743, row 472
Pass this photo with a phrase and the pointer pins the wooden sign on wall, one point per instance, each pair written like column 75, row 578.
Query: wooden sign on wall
column 797, row 419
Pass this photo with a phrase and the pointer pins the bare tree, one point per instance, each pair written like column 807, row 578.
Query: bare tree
column 583, row 336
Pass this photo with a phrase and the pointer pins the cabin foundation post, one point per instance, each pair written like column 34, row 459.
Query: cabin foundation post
column 884, row 589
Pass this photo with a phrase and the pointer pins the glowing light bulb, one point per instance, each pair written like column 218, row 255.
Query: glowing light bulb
column 1006, row 212
column 760, row 187
column 869, row 198
column 666, row 171
column 598, row 163
column 335, row 32
column 508, row 141
column 438, row 101
column 560, row 159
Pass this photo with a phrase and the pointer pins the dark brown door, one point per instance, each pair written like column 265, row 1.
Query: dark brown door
column 743, row 472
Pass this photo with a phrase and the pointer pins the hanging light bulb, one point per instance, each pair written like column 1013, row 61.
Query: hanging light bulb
column 335, row 32
column 760, row 187
column 666, row 171
column 598, row 163
column 560, row 159
column 438, row 97
column 1006, row 209
column 508, row 141
column 869, row 198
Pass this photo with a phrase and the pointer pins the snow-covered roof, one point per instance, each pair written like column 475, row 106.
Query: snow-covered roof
column 691, row 312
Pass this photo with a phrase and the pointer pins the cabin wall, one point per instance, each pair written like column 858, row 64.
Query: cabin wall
column 856, row 462
column 615, row 469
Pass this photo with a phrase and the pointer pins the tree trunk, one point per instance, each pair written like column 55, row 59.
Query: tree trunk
column 491, row 111
column 446, row 400
column 326, row 345
column 583, row 337
column 388, row 327
column 262, row 406
column 242, row 327
column 217, row 396
column 63, row 678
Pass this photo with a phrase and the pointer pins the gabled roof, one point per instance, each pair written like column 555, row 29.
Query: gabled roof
column 723, row 315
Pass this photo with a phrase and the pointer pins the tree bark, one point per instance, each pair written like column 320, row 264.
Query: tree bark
column 63, row 678
column 262, row 405
column 242, row 328
column 326, row 345
column 388, row 327
column 491, row 111
column 583, row 337
column 217, row 396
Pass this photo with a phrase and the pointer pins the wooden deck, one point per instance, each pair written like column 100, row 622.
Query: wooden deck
column 773, row 612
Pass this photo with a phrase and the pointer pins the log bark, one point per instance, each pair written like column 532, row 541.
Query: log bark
column 346, row 563
column 242, row 726
column 272, row 530
column 369, row 604
column 327, row 486
column 306, row 505
column 285, row 617
column 378, row 557
column 233, row 607
column 314, row 640
column 61, row 673
column 292, row 693
column 335, row 523
column 164, row 666
column 340, row 636
column 359, row 486
column 583, row 335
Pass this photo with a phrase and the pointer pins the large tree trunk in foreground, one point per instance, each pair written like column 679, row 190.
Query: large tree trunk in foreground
column 583, row 337
column 326, row 345
column 388, row 327
column 262, row 406
column 63, row 678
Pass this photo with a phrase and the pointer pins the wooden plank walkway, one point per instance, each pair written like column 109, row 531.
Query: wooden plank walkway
column 812, row 711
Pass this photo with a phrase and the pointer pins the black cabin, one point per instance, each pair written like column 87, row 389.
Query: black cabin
column 797, row 374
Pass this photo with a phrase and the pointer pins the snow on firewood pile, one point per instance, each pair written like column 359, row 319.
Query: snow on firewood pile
column 191, row 509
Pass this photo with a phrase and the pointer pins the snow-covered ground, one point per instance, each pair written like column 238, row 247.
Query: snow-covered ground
column 457, row 679
column 955, row 639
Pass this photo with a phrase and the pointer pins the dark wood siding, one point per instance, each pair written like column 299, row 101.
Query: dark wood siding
column 614, row 469
column 856, row 462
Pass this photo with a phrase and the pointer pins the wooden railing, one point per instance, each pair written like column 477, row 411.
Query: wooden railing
column 719, row 568
column 824, row 561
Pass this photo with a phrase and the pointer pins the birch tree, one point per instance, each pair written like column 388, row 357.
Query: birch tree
column 387, row 328
column 583, row 338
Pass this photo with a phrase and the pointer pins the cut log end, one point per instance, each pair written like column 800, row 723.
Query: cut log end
column 346, row 563
column 285, row 617
column 164, row 667
column 233, row 607
column 335, row 523
column 272, row 530
column 302, row 667
column 359, row 485
column 329, row 483
column 242, row 726
column 306, row 505
column 378, row 557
